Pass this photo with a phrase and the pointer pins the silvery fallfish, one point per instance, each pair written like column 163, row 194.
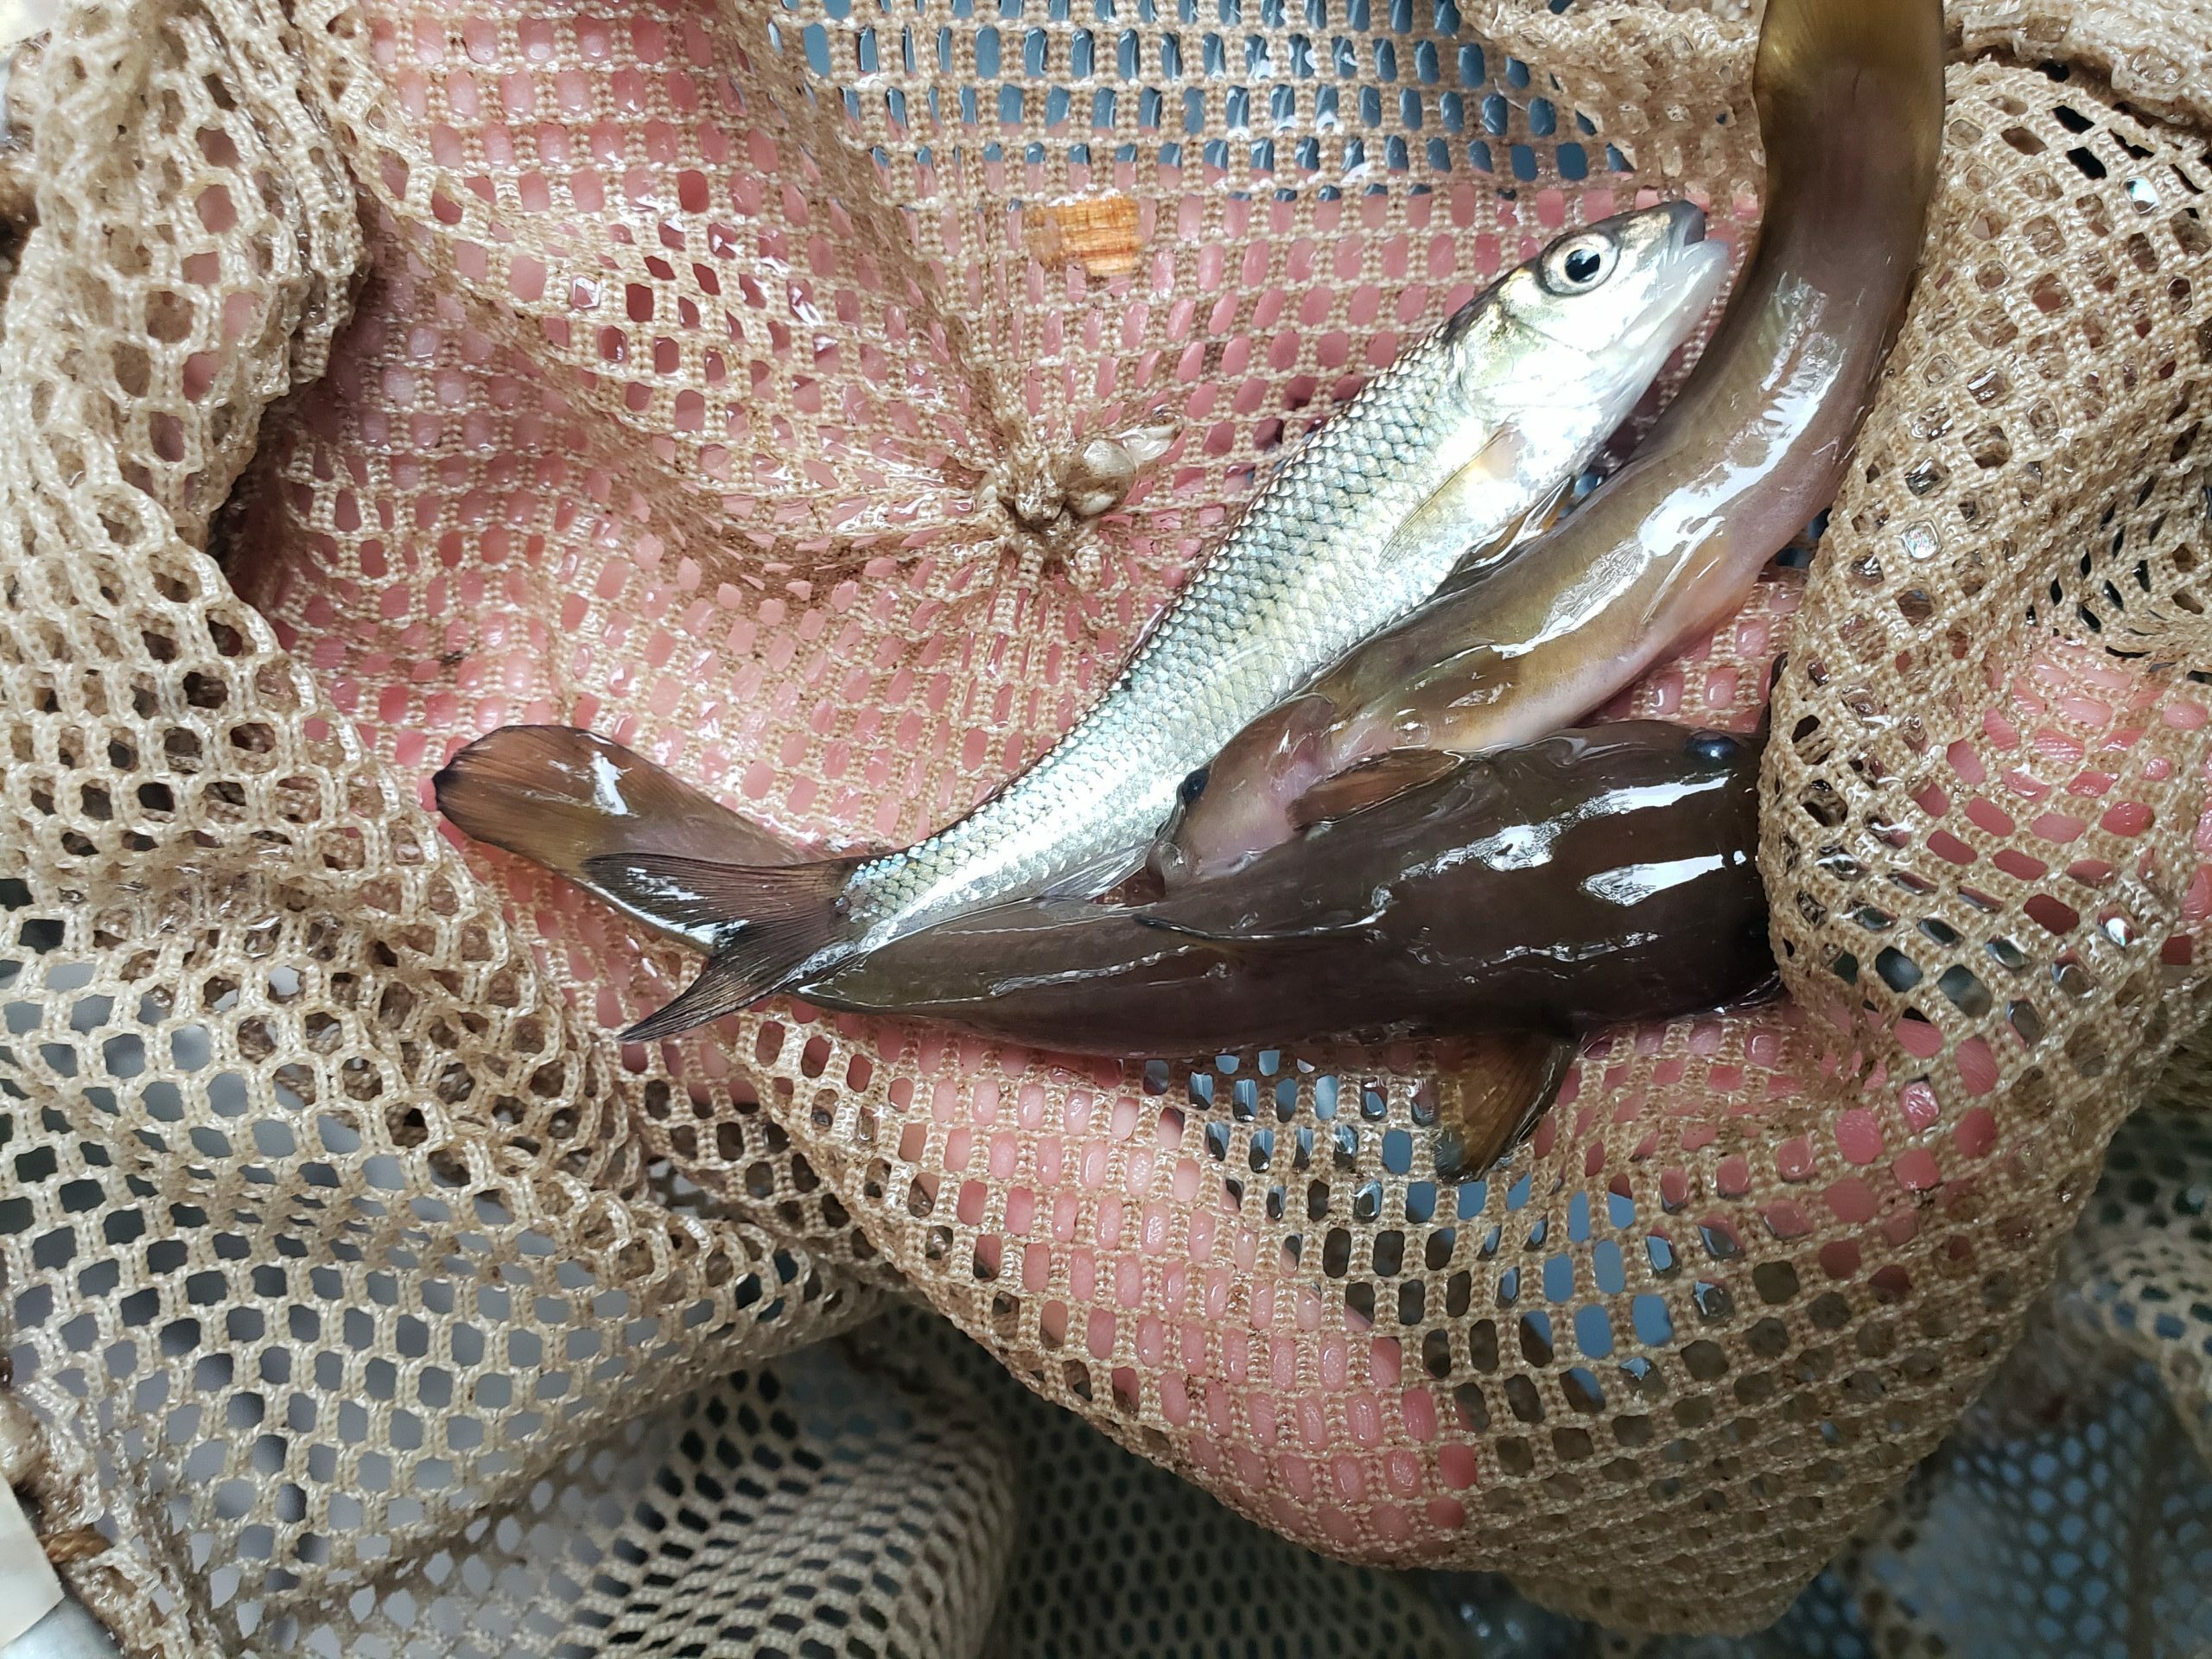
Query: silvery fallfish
column 1445, row 456
column 1850, row 96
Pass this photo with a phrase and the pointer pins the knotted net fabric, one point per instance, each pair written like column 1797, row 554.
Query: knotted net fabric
column 757, row 385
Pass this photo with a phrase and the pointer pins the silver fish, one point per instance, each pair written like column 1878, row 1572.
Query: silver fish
column 1433, row 470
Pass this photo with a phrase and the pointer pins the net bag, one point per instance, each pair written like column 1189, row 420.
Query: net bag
column 782, row 390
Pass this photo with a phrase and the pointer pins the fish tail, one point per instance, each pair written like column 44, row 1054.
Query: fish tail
column 772, row 923
column 619, row 826
column 559, row 797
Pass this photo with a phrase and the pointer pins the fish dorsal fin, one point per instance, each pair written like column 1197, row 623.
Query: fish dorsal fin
column 1378, row 779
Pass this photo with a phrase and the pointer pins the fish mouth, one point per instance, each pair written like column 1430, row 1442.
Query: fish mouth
column 1698, row 267
column 1685, row 224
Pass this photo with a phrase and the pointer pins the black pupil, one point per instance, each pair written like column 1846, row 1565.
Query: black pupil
column 1715, row 748
column 1195, row 784
column 1582, row 265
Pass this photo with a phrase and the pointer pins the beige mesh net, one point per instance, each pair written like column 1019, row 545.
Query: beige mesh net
column 375, row 374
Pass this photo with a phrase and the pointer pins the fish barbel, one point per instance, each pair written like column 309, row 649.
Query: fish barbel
column 1445, row 456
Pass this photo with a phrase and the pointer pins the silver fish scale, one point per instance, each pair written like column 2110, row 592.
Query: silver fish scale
column 1293, row 588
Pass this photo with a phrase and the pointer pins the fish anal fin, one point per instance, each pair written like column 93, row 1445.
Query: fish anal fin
column 1378, row 779
column 1491, row 1088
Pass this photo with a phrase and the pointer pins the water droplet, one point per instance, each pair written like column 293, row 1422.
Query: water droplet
column 2141, row 192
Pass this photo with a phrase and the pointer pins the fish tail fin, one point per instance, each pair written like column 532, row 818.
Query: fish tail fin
column 560, row 797
column 771, row 922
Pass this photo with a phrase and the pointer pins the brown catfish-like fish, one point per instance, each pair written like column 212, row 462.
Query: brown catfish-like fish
column 1517, row 898
column 1849, row 97
column 1591, row 877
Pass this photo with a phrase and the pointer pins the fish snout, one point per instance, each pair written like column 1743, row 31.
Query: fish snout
column 1685, row 224
column 1682, row 275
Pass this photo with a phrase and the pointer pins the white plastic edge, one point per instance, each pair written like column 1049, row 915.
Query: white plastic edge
column 29, row 1589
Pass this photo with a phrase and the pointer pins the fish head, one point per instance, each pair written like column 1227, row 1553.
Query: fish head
column 1605, row 305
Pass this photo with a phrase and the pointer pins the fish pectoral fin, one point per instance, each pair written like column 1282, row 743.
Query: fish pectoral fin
column 1479, row 562
column 1451, row 506
column 1491, row 1088
column 1101, row 874
column 1378, row 779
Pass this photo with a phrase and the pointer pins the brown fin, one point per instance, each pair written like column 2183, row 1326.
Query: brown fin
column 1491, row 1091
column 559, row 796
column 721, row 987
column 770, row 922
column 1378, row 779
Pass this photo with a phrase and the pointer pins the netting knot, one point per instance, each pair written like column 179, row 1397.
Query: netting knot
column 1054, row 498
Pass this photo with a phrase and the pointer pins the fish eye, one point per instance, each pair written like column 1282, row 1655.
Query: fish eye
column 1194, row 785
column 1715, row 748
column 1580, row 263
